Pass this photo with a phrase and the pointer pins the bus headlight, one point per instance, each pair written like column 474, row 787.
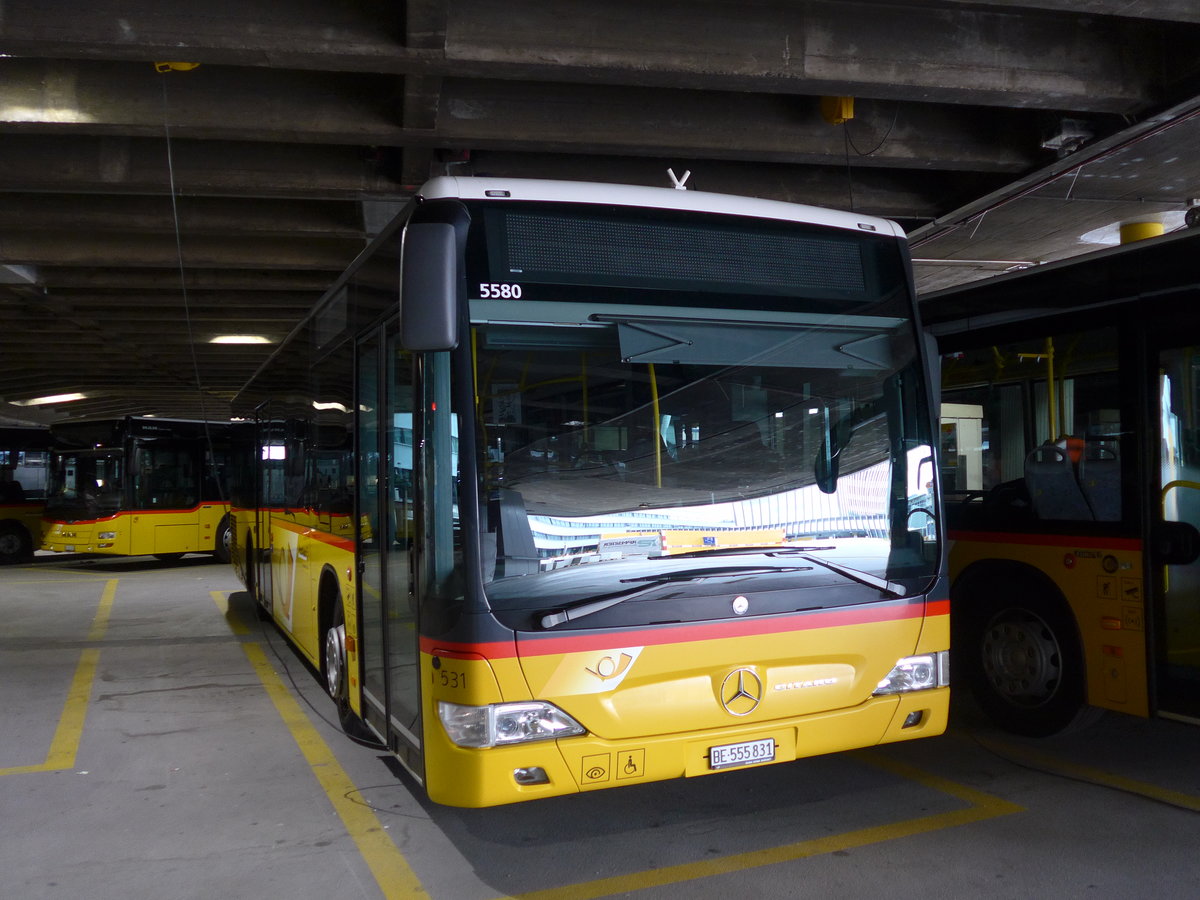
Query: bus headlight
column 107, row 535
column 505, row 723
column 916, row 673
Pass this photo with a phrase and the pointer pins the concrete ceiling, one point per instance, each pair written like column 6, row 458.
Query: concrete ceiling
column 144, row 212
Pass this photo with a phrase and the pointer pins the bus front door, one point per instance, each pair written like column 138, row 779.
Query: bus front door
column 1175, row 578
column 387, row 629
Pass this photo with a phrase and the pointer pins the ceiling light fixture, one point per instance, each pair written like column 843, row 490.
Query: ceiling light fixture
column 53, row 398
column 239, row 339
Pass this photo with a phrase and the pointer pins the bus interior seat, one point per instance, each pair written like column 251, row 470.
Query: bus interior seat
column 1053, row 488
column 12, row 492
column 1100, row 478
column 516, row 553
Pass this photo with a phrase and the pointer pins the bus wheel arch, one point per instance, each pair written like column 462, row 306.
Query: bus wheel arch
column 334, row 665
column 16, row 543
column 223, row 542
column 251, row 580
column 1020, row 649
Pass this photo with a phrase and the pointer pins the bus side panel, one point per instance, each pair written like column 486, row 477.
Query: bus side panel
column 210, row 516
column 290, row 580
column 1102, row 583
column 164, row 532
column 300, row 556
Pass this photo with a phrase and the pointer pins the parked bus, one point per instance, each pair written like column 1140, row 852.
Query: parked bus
column 1070, row 439
column 567, row 487
column 23, row 458
column 139, row 486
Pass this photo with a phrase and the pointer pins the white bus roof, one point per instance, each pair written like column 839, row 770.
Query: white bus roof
column 651, row 197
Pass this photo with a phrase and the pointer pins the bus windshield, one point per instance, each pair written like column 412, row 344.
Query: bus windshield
column 713, row 449
column 86, row 484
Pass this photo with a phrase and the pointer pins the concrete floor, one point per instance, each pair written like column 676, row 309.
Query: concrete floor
column 158, row 742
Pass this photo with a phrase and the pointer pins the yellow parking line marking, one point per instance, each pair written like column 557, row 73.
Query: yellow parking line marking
column 64, row 746
column 1089, row 773
column 391, row 870
column 983, row 806
column 236, row 625
column 100, row 622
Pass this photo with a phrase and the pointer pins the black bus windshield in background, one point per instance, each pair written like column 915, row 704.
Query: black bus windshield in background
column 569, row 251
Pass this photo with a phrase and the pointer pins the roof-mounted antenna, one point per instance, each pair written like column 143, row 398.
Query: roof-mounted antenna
column 680, row 184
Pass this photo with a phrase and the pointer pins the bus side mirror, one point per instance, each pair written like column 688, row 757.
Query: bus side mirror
column 428, row 288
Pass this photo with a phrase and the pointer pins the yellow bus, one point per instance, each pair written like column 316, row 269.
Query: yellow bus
column 566, row 487
column 1071, row 466
column 23, row 461
column 139, row 486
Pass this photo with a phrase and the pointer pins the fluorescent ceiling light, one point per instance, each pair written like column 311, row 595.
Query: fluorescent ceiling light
column 240, row 339
column 54, row 398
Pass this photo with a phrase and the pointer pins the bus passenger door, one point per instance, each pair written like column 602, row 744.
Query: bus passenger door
column 1176, row 578
column 268, row 497
column 402, row 654
column 387, row 627
column 370, row 507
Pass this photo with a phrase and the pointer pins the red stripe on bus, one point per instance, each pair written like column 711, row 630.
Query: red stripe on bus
column 1053, row 540
column 551, row 644
column 174, row 511
column 316, row 534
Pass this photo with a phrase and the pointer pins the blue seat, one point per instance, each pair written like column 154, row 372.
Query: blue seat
column 1100, row 478
column 1053, row 489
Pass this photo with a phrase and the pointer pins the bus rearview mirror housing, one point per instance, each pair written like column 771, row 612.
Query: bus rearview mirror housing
column 428, row 288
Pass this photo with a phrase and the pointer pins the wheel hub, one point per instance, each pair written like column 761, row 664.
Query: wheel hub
column 335, row 661
column 1021, row 657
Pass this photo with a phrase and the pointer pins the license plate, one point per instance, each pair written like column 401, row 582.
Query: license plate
column 746, row 753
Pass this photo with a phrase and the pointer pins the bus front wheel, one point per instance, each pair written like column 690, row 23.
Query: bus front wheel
column 337, row 678
column 1024, row 661
column 223, row 544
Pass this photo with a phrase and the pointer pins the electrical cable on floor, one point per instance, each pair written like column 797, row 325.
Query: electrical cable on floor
column 354, row 796
column 1081, row 779
column 374, row 745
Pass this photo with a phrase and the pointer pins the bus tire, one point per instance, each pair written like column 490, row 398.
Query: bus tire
column 223, row 544
column 16, row 545
column 1022, row 656
column 337, row 676
column 260, row 611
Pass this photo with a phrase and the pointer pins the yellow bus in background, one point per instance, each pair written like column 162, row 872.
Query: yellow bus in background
column 568, row 487
column 24, row 455
column 1070, row 460
column 139, row 486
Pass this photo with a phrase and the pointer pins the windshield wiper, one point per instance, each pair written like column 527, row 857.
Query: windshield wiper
column 866, row 578
column 589, row 607
column 888, row 587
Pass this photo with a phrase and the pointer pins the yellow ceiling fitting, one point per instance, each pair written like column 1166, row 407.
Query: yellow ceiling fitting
column 174, row 66
column 836, row 110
